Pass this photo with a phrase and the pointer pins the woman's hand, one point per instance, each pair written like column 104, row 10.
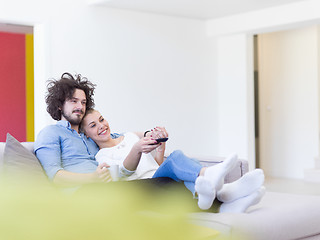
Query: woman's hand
column 102, row 174
column 146, row 145
column 160, row 132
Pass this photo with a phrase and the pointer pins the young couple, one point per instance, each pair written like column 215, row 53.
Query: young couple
column 71, row 156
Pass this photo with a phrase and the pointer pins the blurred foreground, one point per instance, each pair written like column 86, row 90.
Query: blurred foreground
column 38, row 211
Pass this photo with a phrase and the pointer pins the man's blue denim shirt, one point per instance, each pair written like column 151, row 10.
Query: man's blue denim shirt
column 59, row 147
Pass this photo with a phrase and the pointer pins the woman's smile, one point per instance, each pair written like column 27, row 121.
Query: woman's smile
column 103, row 132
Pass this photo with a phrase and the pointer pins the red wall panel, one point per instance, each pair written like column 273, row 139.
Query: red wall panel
column 12, row 86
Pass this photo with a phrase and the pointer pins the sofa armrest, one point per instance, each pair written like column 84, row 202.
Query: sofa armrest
column 237, row 172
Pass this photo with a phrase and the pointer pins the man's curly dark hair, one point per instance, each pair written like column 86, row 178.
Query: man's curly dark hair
column 63, row 89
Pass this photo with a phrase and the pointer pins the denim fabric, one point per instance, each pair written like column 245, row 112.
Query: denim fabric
column 180, row 168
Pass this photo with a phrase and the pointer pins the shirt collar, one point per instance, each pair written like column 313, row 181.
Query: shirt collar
column 64, row 123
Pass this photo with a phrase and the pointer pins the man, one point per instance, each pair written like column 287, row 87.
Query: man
column 68, row 156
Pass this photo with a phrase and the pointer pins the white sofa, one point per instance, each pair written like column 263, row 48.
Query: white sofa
column 278, row 216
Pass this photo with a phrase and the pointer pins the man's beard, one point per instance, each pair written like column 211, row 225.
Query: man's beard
column 73, row 121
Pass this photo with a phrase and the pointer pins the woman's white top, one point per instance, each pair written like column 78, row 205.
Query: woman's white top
column 117, row 154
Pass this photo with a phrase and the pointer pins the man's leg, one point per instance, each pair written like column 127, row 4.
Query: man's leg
column 244, row 186
column 242, row 204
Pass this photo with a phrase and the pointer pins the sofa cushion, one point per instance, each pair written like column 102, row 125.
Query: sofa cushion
column 2, row 144
column 277, row 216
column 19, row 161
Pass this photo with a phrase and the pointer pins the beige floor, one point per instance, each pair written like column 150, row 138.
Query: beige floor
column 292, row 186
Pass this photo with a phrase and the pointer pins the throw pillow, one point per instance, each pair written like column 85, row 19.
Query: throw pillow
column 2, row 144
column 20, row 162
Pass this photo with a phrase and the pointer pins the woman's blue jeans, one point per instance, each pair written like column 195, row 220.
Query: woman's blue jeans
column 180, row 168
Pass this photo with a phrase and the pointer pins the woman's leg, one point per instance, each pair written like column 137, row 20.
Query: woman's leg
column 212, row 180
column 180, row 168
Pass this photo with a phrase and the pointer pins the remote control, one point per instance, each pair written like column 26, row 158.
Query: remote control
column 159, row 140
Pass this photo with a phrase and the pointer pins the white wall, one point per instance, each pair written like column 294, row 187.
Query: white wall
column 290, row 16
column 137, row 58
column 288, row 101
column 235, row 84
column 293, row 15
column 149, row 69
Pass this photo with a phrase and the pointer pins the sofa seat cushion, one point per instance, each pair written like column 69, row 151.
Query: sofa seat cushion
column 278, row 216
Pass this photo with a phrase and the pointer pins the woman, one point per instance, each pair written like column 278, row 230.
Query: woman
column 132, row 152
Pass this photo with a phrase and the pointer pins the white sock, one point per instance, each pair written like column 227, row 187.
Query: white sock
column 206, row 193
column 215, row 174
column 242, row 204
column 244, row 186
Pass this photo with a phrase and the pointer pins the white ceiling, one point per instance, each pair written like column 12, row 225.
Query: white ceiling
column 200, row 9
column 14, row 28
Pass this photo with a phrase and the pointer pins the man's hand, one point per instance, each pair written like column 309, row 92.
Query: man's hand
column 102, row 173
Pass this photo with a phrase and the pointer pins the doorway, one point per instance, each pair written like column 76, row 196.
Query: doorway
column 256, row 100
column 286, row 101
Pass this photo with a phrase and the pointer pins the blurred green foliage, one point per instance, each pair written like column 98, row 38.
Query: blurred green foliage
column 36, row 211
